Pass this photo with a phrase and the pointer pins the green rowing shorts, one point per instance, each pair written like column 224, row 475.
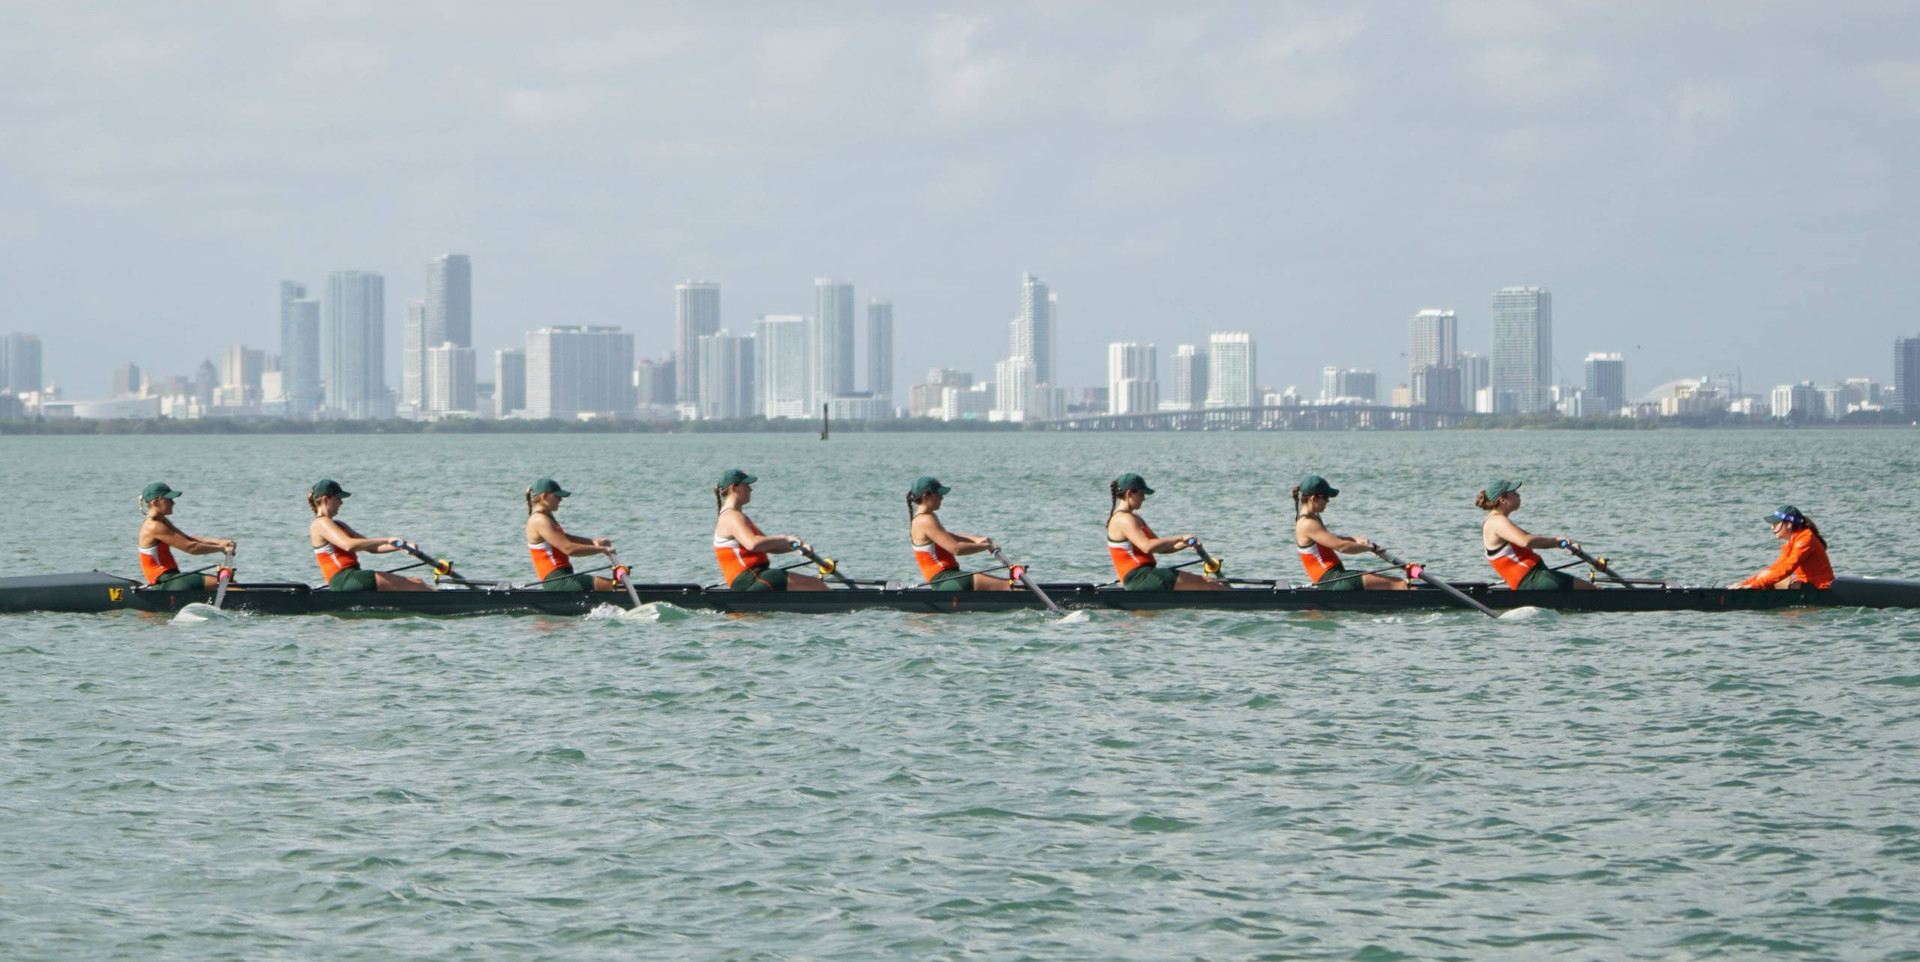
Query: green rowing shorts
column 760, row 579
column 953, row 581
column 175, row 581
column 353, row 579
column 1338, row 578
column 567, row 582
column 1541, row 579
column 1150, row 578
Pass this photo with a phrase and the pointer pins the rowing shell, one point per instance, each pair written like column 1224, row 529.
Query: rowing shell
column 96, row 592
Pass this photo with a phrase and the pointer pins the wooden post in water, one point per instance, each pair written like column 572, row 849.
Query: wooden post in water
column 823, row 420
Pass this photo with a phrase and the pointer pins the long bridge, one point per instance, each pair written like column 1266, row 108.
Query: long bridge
column 1268, row 417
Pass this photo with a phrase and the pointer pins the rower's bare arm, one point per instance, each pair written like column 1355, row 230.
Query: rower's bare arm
column 1178, row 542
column 1514, row 534
column 929, row 526
column 1318, row 534
column 346, row 539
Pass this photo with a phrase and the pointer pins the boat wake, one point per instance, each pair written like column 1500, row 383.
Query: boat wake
column 1529, row 613
column 658, row 612
column 199, row 614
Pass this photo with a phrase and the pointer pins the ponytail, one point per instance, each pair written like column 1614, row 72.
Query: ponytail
column 529, row 502
column 313, row 503
column 1483, row 502
column 719, row 499
column 912, row 502
column 1113, row 498
column 1296, row 502
column 1805, row 522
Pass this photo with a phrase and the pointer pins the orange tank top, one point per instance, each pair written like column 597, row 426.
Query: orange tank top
column 548, row 560
column 1319, row 560
column 1513, row 562
column 934, row 560
column 157, row 562
column 334, row 560
column 1126, row 557
column 734, row 559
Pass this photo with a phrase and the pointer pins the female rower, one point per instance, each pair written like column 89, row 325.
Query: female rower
column 1132, row 544
column 1510, row 547
column 336, row 546
column 158, row 538
column 1803, row 559
column 936, row 548
column 553, row 548
column 743, row 550
column 1320, row 549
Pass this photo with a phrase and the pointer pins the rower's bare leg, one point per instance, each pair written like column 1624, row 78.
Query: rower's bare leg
column 1188, row 581
column 212, row 582
column 1382, row 583
column 991, row 583
column 387, row 581
column 1582, row 584
column 1785, row 583
column 797, row 582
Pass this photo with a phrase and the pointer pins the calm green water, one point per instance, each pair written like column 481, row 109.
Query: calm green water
column 885, row 786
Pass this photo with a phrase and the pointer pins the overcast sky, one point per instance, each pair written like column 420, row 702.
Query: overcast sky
column 1705, row 187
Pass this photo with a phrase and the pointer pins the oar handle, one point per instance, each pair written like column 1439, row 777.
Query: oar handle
column 828, row 567
column 441, row 567
column 1599, row 564
column 1420, row 572
column 623, row 577
column 1208, row 563
column 1019, row 574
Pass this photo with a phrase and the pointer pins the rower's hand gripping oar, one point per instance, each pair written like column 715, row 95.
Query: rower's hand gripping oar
column 624, row 577
column 1598, row 564
column 1019, row 575
column 225, row 579
column 828, row 567
column 1420, row 571
column 441, row 567
column 1208, row 563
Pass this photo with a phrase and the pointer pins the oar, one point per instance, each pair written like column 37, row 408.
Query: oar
column 1420, row 571
column 1020, row 576
column 441, row 566
column 620, row 574
column 1599, row 564
column 1208, row 563
column 828, row 567
column 226, row 578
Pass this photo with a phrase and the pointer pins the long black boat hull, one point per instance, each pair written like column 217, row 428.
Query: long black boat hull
column 96, row 592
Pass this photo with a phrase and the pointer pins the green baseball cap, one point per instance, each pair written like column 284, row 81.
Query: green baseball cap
column 157, row 490
column 735, row 476
column 1501, row 488
column 1315, row 484
column 929, row 485
column 328, row 487
column 550, row 486
column 1787, row 513
column 1131, row 482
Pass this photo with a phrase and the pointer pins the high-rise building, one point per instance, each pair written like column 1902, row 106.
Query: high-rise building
column 1329, row 382
column 1433, row 341
column 574, row 371
column 299, row 349
column 831, row 350
column 450, row 379
column 1906, row 374
column 1337, row 383
column 449, row 304
column 726, row 375
column 353, row 344
column 653, row 382
column 413, row 357
column 205, row 378
column 1133, row 386
column 1187, row 379
column 781, row 361
column 696, row 313
column 240, row 370
column 1797, row 402
column 1232, row 370
column 1522, row 350
column 1475, row 376
column 1606, row 390
column 1033, row 330
column 1436, row 386
column 127, row 381
column 880, row 350
column 1016, row 390
column 20, row 367
column 509, row 381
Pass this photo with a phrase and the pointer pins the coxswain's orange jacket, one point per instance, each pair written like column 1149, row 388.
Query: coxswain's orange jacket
column 1802, row 558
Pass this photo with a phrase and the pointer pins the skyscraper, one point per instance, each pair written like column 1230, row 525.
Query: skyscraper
column 696, row 313
column 353, row 344
column 1906, row 374
column 509, row 381
column 240, row 370
column 1475, row 376
column 832, row 346
column 413, row 356
column 726, row 375
column 450, row 379
column 1437, row 386
column 1232, row 370
column 299, row 349
column 449, row 304
column 1606, row 389
column 127, row 381
column 780, row 359
column 1188, row 379
column 1033, row 330
column 574, row 370
column 1015, row 385
column 1132, row 378
column 880, row 350
column 1433, row 341
column 1522, row 350
column 21, row 370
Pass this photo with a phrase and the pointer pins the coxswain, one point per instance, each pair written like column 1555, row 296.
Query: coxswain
column 1803, row 558
column 336, row 546
column 1510, row 549
column 158, row 538
column 743, row 550
column 1132, row 544
column 1320, row 549
column 936, row 549
column 553, row 549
